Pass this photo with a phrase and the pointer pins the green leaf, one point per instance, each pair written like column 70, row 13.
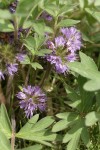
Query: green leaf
column 77, row 126
column 32, row 126
column 60, row 125
column 88, row 62
column 69, row 116
column 45, row 143
column 26, row 60
column 25, row 8
column 85, row 137
column 43, row 52
column 37, row 132
column 43, row 137
column 30, row 44
column 67, row 22
column 36, row 65
column 97, row 95
column 39, row 27
column 92, row 85
column 39, row 136
column 76, row 104
column 43, row 123
column 30, row 49
column 86, row 38
column 66, row 8
column 51, row 8
column 87, row 98
column 5, row 125
column 33, row 44
column 35, row 147
column 28, row 126
column 6, row 26
column 46, row 136
column 4, row 142
column 87, row 68
column 28, row 24
column 68, row 136
column 71, row 94
column 5, row 14
column 91, row 118
column 73, row 144
column 39, row 41
column 93, row 13
column 48, row 29
column 84, row 71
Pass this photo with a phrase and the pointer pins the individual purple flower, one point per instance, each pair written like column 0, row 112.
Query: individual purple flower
column 1, row 76
column 59, row 41
column 12, row 68
column 53, row 59
column 21, row 95
column 59, row 66
column 50, row 45
column 32, row 98
column 20, row 57
column 73, row 38
column 71, row 57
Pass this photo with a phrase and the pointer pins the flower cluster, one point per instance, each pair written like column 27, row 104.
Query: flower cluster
column 32, row 99
column 12, row 68
column 13, row 6
column 64, row 48
column 73, row 38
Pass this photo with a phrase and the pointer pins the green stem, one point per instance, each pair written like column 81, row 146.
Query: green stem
column 27, row 76
column 46, row 75
column 55, row 27
column 16, row 28
column 34, row 77
column 9, row 89
column 28, row 73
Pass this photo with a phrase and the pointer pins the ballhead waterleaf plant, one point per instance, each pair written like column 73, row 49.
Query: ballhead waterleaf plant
column 49, row 75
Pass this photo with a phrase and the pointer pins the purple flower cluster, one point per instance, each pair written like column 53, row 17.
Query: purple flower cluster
column 12, row 68
column 13, row 6
column 32, row 99
column 57, row 62
column 73, row 38
column 64, row 48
